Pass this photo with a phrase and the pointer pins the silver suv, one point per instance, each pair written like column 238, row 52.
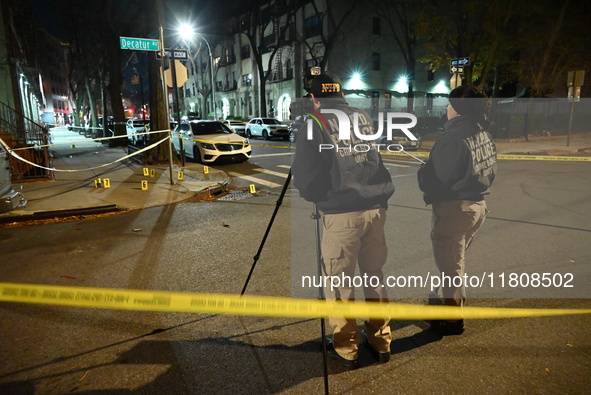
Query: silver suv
column 9, row 198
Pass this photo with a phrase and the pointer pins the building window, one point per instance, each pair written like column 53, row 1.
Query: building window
column 376, row 26
column 289, row 70
column 247, row 80
column 375, row 61
column 245, row 52
column 228, row 56
column 268, row 43
column 313, row 26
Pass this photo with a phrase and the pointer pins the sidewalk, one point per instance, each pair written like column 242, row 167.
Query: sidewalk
column 579, row 144
column 74, row 193
column 73, row 190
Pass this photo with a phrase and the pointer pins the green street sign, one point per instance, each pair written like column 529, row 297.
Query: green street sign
column 139, row 44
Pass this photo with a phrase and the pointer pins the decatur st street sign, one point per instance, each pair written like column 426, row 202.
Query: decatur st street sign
column 139, row 44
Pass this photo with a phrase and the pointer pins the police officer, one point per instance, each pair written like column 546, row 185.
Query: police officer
column 456, row 178
column 351, row 187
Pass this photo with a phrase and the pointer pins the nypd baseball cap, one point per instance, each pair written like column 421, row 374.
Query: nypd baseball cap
column 326, row 84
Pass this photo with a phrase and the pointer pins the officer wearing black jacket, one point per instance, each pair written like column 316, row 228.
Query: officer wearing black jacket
column 460, row 170
column 351, row 187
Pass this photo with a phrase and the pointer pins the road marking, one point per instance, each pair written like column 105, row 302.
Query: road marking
column 394, row 164
column 279, row 154
column 273, row 173
column 255, row 180
column 284, row 166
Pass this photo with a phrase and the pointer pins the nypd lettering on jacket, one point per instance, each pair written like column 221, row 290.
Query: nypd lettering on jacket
column 483, row 153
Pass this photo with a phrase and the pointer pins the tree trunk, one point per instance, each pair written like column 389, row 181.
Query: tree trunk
column 92, row 106
column 158, row 113
column 158, row 100
column 114, row 88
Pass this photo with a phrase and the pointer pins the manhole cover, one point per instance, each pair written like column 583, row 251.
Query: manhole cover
column 236, row 195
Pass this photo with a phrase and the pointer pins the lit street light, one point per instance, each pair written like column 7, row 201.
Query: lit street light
column 187, row 33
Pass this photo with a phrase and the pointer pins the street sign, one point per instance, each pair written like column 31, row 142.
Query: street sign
column 181, row 74
column 460, row 62
column 455, row 81
column 179, row 54
column 457, row 69
column 139, row 44
column 576, row 78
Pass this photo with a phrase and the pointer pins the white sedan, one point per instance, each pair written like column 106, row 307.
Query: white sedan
column 208, row 141
column 238, row 127
column 266, row 128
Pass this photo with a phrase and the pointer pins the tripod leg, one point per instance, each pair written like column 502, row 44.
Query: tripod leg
column 316, row 217
column 258, row 254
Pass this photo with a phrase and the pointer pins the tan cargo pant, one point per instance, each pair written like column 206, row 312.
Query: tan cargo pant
column 348, row 240
column 453, row 225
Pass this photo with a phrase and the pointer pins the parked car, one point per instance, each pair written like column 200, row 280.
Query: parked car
column 134, row 126
column 9, row 197
column 266, row 128
column 208, row 141
column 238, row 127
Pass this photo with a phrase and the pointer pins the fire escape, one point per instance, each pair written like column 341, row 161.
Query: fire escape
column 278, row 64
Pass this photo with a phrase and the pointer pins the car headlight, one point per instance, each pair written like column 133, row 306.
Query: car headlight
column 208, row 146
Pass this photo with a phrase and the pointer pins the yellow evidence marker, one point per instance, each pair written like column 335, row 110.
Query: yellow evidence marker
column 144, row 185
column 253, row 189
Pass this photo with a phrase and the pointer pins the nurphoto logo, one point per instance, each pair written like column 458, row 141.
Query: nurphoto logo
column 361, row 127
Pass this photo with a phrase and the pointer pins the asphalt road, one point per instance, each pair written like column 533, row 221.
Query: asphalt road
column 538, row 223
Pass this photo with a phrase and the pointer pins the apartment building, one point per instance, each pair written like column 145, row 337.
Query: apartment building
column 363, row 52
column 56, row 105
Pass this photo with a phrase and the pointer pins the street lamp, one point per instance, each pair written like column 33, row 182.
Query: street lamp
column 187, row 33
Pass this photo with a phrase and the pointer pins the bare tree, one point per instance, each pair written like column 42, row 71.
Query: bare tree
column 254, row 20
column 337, row 14
column 399, row 16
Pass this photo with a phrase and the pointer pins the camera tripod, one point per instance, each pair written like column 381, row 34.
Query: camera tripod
column 316, row 217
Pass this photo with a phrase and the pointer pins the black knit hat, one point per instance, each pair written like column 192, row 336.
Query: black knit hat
column 326, row 84
column 466, row 100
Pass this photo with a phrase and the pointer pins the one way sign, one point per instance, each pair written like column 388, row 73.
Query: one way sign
column 179, row 54
column 460, row 62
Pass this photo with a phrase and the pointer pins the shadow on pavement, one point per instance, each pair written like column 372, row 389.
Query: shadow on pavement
column 212, row 365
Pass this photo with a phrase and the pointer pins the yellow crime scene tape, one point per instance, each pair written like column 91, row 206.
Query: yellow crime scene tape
column 544, row 157
column 163, row 301
column 425, row 154
column 508, row 157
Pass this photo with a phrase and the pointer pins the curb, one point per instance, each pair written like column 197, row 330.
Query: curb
column 50, row 214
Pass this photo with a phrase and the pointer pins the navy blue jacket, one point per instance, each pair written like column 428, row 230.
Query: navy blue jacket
column 462, row 164
column 341, row 180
